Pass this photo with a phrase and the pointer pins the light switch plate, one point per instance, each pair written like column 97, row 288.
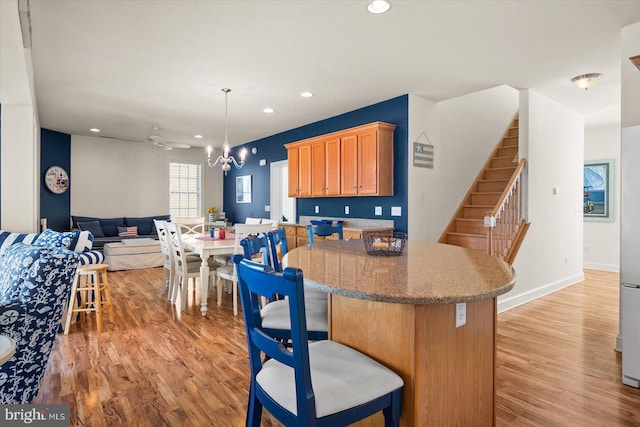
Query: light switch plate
column 378, row 210
column 461, row 314
column 346, row 210
column 267, row 208
column 317, row 209
column 396, row 211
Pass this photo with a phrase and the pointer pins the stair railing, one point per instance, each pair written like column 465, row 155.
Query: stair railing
column 505, row 221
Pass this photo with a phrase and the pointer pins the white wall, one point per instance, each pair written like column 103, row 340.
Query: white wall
column 20, row 155
column 630, row 76
column 463, row 131
column 551, row 255
column 120, row 178
column 602, row 239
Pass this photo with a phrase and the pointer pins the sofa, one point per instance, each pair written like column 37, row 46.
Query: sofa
column 110, row 230
column 80, row 242
column 35, row 283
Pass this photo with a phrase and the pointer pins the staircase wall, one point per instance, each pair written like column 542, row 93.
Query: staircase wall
column 463, row 131
column 550, row 257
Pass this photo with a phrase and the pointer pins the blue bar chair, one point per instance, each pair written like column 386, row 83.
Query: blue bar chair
column 275, row 314
column 323, row 383
column 323, row 230
column 277, row 240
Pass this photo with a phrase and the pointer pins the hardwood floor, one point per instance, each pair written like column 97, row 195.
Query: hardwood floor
column 556, row 365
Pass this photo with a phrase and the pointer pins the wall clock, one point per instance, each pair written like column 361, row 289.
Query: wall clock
column 56, row 179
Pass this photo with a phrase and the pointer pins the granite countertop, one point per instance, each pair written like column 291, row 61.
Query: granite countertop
column 427, row 273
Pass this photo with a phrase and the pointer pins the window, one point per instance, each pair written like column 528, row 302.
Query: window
column 184, row 190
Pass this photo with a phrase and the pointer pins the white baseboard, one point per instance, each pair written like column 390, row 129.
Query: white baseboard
column 604, row 267
column 516, row 300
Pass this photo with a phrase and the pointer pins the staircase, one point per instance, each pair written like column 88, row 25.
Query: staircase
column 495, row 193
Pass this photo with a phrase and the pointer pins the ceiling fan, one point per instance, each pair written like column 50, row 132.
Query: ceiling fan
column 158, row 141
column 155, row 139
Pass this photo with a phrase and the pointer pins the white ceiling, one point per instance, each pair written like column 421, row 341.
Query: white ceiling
column 123, row 66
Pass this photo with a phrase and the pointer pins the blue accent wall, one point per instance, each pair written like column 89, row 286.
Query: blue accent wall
column 394, row 111
column 55, row 150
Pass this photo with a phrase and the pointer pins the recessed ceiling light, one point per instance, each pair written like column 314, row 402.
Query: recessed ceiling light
column 198, row 136
column 306, row 94
column 268, row 110
column 378, row 6
column 94, row 130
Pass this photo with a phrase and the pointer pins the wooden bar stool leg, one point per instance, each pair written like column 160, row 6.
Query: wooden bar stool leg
column 73, row 301
column 97, row 301
column 107, row 294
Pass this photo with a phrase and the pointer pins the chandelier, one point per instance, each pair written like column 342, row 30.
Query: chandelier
column 225, row 159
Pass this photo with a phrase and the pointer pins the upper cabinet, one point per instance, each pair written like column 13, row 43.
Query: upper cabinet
column 352, row 162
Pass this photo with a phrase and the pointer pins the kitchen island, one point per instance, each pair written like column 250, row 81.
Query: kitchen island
column 401, row 311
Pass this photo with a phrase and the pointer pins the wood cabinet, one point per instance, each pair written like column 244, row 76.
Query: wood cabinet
column 299, row 162
column 353, row 162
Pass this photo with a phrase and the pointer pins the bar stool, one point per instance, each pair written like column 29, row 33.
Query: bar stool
column 90, row 292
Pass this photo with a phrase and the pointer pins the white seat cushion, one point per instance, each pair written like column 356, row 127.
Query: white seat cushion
column 226, row 271
column 275, row 315
column 342, row 378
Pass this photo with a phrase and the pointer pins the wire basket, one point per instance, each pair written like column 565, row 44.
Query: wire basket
column 384, row 243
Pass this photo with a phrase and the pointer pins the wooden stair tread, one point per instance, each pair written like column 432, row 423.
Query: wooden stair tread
column 486, row 192
column 455, row 233
column 470, row 219
column 479, row 206
column 494, row 180
column 502, row 168
column 501, row 157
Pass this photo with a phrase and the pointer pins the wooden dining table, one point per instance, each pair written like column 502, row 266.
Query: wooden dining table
column 206, row 247
column 429, row 314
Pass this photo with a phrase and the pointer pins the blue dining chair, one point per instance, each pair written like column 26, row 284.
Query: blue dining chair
column 275, row 314
column 275, row 238
column 323, row 230
column 323, row 383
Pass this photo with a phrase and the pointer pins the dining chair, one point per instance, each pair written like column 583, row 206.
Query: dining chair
column 191, row 225
column 167, row 258
column 275, row 315
column 274, row 222
column 323, row 383
column 323, row 230
column 185, row 267
column 228, row 272
column 252, row 221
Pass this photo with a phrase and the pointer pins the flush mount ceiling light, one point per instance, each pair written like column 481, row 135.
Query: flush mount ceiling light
column 94, row 130
column 378, row 6
column 306, row 94
column 586, row 81
column 225, row 159
column 268, row 110
column 636, row 61
column 197, row 136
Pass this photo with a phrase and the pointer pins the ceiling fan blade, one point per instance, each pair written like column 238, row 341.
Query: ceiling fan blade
column 178, row 145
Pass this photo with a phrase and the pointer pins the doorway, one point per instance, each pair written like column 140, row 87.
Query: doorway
column 281, row 203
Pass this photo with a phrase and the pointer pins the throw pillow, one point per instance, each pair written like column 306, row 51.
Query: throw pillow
column 54, row 239
column 144, row 224
column 128, row 231
column 93, row 227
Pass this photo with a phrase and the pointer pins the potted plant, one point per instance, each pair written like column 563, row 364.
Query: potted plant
column 213, row 212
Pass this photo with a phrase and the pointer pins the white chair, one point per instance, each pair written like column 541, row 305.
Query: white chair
column 185, row 267
column 252, row 221
column 166, row 257
column 228, row 272
column 191, row 225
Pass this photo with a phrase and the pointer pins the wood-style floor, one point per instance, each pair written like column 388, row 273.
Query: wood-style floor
column 556, row 365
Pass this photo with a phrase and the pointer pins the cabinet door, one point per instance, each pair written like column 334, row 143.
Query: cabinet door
column 304, row 171
column 332, row 167
column 318, row 187
column 349, row 165
column 368, row 163
column 293, row 164
column 291, row 237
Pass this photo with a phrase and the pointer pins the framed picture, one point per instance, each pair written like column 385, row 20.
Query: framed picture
column 243, row 189
column 599, row 177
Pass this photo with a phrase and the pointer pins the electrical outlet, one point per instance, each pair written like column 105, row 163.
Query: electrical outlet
column 396, row 211
column 267, row 208
column 317, row 209
column 346, row 210
column 461, row 314
column 378, row 210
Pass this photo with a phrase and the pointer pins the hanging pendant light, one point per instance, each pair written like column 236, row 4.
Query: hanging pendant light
column 225, row 159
